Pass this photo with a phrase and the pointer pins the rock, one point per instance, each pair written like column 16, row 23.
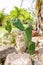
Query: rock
column 37, row 62
column 21, row 47
column 18, row 59
column 5, row 50
column 8, row 39
column 20, row 43
column 16, row 31
column 39, row 53
column 39, row 50
column 40, row 39
column 40, row 44
column 35, row 39
column 34, row 33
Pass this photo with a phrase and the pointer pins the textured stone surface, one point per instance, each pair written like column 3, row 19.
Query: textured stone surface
column 18, row 59
column 35, row 39
column 40, row 41
column 34, row 33
column 39, row 50
column 5, row 50
column 20, row 43
column 38, row 60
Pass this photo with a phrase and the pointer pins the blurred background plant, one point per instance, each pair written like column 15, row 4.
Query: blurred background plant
column 24, row 15
column 8, row 26
column 2, row 16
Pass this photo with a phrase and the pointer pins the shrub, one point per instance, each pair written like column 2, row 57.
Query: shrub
column 27, row 35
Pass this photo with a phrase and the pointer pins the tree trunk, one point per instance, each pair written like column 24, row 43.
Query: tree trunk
column 21, row 3
column 40, row 21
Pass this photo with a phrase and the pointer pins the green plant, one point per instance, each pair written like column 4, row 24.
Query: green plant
column 9, row 39
column 16, row 13
column 2, row 16
column 8, row 26
column 24, row 15
column 27, row 35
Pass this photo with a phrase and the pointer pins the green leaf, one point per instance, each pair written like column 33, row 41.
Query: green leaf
column 17, row 23
column 26, row 40
column 28, row 36
column 8, row 26
column 31, row 48
column 28, row 32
